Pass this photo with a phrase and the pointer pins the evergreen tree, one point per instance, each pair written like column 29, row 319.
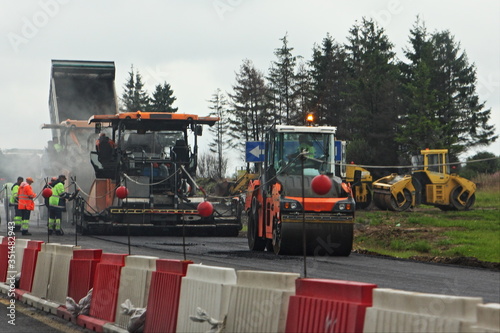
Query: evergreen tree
column 163, row 99
column 419, row 127
column 282, row 83
column 329, row 85
column 303, row 94
column 222, row 141
column 464, row 122
column 374, row 97
column 250, row 112
column 134, row 97
column 442, row 107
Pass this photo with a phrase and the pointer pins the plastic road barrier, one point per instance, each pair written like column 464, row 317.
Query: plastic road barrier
column 259, row 301
column 105, row 293
column 4, row 258
column 42, row 270
column 322, row 305
column 134, row 285
column 488, row 318
column 82, row 271
column 208, row 288
column 29, row 265
column 58, row 286
column 404, row 311
column 164, row 294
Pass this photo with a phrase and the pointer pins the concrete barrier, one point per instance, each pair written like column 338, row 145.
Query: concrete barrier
column 488, row 318
column 259, row 301
column 207, row 287
column 321, row 305
column 404, row 311
column 164, row 294
column 134, row 285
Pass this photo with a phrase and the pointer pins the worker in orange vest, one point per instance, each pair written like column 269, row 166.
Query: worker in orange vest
column 26, row 204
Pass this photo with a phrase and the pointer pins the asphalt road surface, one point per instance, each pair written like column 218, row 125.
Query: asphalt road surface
column 233, row 252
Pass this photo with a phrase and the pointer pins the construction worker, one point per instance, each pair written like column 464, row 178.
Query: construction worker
column 57, row 204
column 104, row 147
column 26, row 204
column 14, row 202
column 305, row 145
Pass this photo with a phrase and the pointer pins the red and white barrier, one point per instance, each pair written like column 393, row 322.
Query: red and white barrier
column 246, row 301
column 322, row 305
column 164, row 295
column 259, row 301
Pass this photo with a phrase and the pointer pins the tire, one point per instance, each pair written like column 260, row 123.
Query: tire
column 362, row 204
column 255, row 243
column 456, row 199
column 277, row 238
column 401, row 203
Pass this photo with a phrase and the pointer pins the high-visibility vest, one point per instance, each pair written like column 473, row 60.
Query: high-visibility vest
column 26, row 196
column 13, row 193
column 57, row 191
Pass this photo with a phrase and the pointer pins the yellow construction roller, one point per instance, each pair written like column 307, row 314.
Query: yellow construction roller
column 394, row 192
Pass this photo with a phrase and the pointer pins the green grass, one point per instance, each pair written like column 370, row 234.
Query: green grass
column 428, row 231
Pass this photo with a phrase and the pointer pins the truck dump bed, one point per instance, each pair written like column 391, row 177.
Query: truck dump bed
column 80, row 89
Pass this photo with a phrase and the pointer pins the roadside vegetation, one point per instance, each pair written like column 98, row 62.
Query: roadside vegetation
column 427, row 233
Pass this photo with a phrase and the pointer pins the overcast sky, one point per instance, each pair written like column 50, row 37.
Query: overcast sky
column 197, row 46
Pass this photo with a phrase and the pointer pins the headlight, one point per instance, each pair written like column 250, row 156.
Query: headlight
column 342, row 206
column 291, row 205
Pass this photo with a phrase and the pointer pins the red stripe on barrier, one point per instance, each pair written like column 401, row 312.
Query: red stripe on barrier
column 18, row 294
column 328, row 306
column 65, row 314
column 81, row 272
column 90, row 323
column 29, row 264
column 4, row 258
column 163, row 300
column 106, row 283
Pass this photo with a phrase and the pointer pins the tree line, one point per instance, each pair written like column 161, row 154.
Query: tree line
column 386, row 108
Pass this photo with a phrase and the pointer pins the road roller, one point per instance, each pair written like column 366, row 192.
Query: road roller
column 286, row 215
column 431, row 183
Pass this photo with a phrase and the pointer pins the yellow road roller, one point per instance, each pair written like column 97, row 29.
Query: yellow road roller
column 430, row 183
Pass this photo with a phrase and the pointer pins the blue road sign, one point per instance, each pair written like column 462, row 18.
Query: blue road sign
column 254, row 151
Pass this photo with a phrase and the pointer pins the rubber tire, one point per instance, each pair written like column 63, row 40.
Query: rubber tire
column 276, row 243
column 255, row 243
column 361, row 204
column 456, row 204
column 397, row 206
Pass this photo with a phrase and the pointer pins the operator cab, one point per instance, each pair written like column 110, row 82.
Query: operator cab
column 292, row 144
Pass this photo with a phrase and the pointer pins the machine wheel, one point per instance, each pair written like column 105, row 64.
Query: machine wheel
column 399, row 203
column 277, row 238
column 269, row 245
column 255, row 243
column 362, row 204
column 459, row 201
column 379, row 200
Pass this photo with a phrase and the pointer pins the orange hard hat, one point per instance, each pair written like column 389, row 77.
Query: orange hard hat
column 29, row 179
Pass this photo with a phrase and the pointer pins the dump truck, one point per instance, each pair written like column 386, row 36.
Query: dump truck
column 78, row 90
column 284, row 211
column 154, row 156
column 430, row 183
